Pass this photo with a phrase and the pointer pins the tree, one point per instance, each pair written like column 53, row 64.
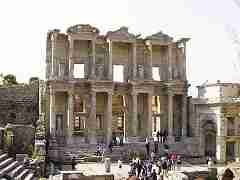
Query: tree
column 9, row 79
column 1, row 79
column 33, row 79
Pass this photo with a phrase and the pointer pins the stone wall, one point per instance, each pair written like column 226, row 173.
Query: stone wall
column 19, row 104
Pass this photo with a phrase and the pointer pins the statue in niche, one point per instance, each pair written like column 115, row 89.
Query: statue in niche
column 140, row 71
column 100, row 69
column 175, row 72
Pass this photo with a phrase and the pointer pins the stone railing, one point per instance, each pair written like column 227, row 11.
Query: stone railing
column 231, row 132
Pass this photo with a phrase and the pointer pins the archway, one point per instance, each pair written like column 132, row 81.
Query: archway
column 208, row 137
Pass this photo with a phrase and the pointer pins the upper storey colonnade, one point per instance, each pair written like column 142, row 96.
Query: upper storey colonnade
column 82, row 53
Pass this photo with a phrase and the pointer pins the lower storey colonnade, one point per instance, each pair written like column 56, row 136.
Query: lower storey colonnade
column 95, row 116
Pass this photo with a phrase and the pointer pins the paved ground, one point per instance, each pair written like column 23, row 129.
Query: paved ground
column 122, row 173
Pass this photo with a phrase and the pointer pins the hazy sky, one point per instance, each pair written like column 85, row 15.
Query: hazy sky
column 211, row 53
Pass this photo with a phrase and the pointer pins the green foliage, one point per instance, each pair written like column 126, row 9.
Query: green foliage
column 1, row 78
column 9, row 79
column 33, row 79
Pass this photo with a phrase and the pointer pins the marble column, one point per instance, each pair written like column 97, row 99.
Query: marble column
column 184, row 115
column 149, row 119
column 53, row 58
column 129, row 115
column 92, row 124
column 220, row 149
column 134, row 63
column 52, row 113
column 71, row 60
column 236, row 149
column 150, row 76
column 134, row 115
column 184, row 62
column 109, row 117
column 170, row 62
column 70, row 112
column 170, row 116
column 92, row 76
column 220, row 139
column 110, row 48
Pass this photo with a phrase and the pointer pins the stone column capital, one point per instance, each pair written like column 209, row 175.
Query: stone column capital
column 110, row 93
column 52, row 91
column 70, row 93
column 134, row 93
column 170, row 93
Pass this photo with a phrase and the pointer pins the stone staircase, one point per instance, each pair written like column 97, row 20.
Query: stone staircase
column 86, row 152
column 9, row 168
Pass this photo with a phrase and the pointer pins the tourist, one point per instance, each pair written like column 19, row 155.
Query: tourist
column 179, row 162
column 159, row 167
column 121, row 140
column 103, row 151
column 114, row 139
column 161, row 136
column 147, row 145
column 174, row 160
column 139, row 167
column 98, row 153
column 119, row 164
column 164, row 167
column 144, row 171
column 110, row 146
column 158, row 136
column 154, row 175
column 152, row 156
column 165, row 134
column 155, row 140
column 74, row 163
column 117, row 141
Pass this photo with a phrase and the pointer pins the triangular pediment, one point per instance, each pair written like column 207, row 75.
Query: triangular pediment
column 160, row 36
column 121, row 34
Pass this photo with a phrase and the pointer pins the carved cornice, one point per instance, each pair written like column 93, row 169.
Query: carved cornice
column 82, row 28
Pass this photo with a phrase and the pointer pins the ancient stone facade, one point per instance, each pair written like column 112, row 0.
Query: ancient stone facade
column 118, row 84
column 19, row 104
column 216, row 120
column 19, row 113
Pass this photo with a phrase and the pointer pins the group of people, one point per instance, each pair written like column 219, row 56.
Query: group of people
column 149, row 169
column 160, row 137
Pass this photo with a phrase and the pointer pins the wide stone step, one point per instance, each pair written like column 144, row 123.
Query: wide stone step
column 8, row 168
column 23, row 174
column 30, row 176
column 3, row 157
column 16, row 171
column 5, row 163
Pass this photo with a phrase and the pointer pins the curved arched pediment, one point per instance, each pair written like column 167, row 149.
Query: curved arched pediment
column 82, row 28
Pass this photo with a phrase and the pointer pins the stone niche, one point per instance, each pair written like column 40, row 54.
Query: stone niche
column 23, row 138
